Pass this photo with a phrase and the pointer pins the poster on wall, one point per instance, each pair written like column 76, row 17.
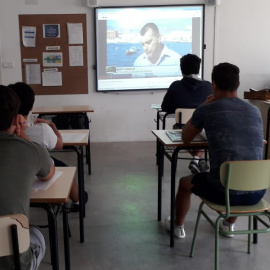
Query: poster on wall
column 75, row 33
column 75, row 55
column 29, row 36
column 52, row 59
column 51, row 30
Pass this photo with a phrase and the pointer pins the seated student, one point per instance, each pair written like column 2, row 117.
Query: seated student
column 21, row 161
column 234, row 130
column 44, row 132
column 189, row 92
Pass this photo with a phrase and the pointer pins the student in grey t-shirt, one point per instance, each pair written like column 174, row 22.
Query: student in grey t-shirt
column 234, row 131
column 21, row 161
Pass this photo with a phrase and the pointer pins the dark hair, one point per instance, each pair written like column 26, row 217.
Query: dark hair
column 26, row 96
column 190, row 64
column 149, row 26
column 226, row 76
column 9, row 107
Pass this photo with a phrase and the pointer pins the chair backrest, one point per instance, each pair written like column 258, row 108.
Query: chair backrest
column 246, row 175
column 182, row 115
column 6, row 244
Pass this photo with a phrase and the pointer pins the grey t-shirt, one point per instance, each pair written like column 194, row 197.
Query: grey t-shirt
column 234, row 130
column 21, row 161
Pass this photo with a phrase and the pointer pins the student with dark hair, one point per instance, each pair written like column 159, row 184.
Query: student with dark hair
column 155, row 53
column 44, row 132
column 234, row 131
column 189, row 92
column 21, row 161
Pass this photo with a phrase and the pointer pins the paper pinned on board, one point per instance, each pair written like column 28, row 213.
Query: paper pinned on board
column 32, row 74
column 51, row 78
column 29, row 36
column 75, row 55
column 75, row 33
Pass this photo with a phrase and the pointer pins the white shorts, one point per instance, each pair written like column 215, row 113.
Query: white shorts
column 37, row 246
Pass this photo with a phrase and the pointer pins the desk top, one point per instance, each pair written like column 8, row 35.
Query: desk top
column 62, row 109
column 164, row 139
column 75, row 136
column 59, row 191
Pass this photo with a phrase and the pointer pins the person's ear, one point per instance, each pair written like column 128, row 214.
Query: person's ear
column 214, row 87
column 15, row 120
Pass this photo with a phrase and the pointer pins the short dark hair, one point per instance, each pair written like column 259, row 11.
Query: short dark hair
column 26, row 96
column 148, row 26
column 190, row 64
column 226, row 76
column 9, row 107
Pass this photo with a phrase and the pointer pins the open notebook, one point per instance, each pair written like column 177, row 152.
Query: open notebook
column 176, row 136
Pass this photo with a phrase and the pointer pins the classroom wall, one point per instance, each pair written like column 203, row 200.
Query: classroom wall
column 236, row 31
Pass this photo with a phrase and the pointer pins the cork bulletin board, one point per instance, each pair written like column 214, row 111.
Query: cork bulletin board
column 66, row 75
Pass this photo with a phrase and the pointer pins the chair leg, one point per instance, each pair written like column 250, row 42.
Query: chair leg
column 196, row 230
column 15, row 244
column 250, row 222
column 217, row 243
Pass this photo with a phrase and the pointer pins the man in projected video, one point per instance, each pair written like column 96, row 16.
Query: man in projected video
column 155, row 52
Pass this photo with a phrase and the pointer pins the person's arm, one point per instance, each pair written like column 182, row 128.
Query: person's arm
column 167, row 104
column 59, row 143
column 50, row 175
column 189, row 131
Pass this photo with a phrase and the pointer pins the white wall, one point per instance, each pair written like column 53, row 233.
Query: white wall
column 241, row 37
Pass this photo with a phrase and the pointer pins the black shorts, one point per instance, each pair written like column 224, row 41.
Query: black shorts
column 203, row 188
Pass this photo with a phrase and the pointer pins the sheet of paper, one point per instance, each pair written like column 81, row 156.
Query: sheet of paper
column 43, row 185
column 75, row 33
column 75, row 55
column 51, row 78
column 29, row 36
column 72, row 137
column 51, row 59
column 32, row 74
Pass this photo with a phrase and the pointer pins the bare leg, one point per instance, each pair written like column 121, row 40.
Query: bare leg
column 74, row 192
column 197, row 153
column 182, row 201
column 232, row 219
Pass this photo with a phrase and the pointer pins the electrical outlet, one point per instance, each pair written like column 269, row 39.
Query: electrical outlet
column 8, row 64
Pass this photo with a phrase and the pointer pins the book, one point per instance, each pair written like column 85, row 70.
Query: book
column 175, row 136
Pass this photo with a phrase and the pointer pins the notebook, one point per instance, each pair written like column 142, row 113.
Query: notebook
column 175, row 136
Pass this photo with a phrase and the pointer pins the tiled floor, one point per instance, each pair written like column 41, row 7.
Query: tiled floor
column 121, row 228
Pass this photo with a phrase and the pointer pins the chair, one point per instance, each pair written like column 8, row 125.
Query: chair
column 239, row 175
column 182, row 115
column 15, row 238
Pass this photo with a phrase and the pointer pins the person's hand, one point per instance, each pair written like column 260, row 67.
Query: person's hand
column 39, row 120
column 209, row 99
column 21, row 126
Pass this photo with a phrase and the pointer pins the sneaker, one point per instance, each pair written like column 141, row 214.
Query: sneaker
column 227, row 227
column 194, row 167
column 179, row 232
column 203, row 166
column 75, row 207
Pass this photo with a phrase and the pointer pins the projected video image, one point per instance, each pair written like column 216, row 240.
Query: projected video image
column 139, row 48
